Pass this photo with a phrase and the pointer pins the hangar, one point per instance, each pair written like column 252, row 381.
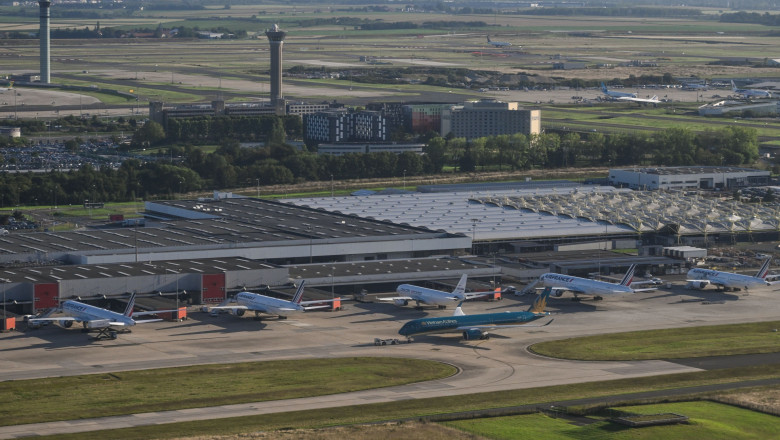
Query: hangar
column 701, row 177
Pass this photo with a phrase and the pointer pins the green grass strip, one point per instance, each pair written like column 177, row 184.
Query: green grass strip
column 129, row 392
column 676, row 343
column 422, row 407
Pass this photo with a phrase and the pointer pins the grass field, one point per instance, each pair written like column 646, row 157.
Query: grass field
column 708, row 420
column 101, row 395
column 717, row 340
column 415, row 408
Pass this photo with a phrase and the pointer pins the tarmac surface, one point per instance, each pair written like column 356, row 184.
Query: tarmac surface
column 500, row 363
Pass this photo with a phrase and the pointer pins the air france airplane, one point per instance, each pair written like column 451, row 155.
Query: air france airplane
column 92, row 317
column 433, row 297
column 267, row 304
column 583, row 286
column 477, row 326
column 701, row 278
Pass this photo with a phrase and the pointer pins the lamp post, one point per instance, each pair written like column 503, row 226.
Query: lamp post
column 331, row 185
column 474, row 222
column 257, row 182
column 309, row 232
column 404, row 181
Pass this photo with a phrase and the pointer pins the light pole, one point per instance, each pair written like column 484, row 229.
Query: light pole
column 404, row 181
column 257, row 182
column 309, row 231
column 474, row 222
column 331, row 185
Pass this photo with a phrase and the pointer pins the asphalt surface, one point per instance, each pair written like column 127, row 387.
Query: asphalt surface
column 500, row 363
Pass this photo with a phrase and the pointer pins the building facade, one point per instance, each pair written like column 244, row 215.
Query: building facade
column 671, row 178
column 489, row 117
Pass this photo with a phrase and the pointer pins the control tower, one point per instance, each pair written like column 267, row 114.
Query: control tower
column 44, row 37
column 276, row 40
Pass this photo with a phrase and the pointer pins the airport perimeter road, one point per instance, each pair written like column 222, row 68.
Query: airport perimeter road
column 500, row 363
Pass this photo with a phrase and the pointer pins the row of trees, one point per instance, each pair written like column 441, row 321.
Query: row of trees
column 186, row 167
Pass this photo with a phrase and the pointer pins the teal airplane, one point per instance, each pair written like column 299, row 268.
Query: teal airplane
column 477, row 326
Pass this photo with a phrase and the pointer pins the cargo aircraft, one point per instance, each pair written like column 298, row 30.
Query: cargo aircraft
column 268, row 305
column 583, row 286
column 478, row 326
column 105, row 321
column 701, row 278
column 433, row 297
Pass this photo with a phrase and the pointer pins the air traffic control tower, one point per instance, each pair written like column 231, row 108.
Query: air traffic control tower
column 44, row 37
column 276, row 40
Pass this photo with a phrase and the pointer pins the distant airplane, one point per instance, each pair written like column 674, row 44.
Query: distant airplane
column 695, row 86
column 750, row 93
column 10, row 86
column 701, row 278
column 654, row 100
column 268, row 305
column 498, row 43
column 104, row 320
column 613, row 94
column 477, row 326
column 583, row 286
column 422, row 295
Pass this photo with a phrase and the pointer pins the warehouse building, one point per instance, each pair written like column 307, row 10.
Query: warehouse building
column 686, row 177
column 489, row 117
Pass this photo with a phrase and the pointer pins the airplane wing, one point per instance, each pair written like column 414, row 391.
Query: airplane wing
column 154, row 312
column 305, row 303
column 646, row 289
column 478, row 294
column 400, row 298
column 226, row 307
column 145, row 321
column 494, row 327
column 42, row 320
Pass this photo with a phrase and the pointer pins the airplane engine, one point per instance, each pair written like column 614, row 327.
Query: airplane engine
column 557, row 293
column 66, row 324
column 475, row 334
column 401, row 302
column 237, row 312
column 697, row 285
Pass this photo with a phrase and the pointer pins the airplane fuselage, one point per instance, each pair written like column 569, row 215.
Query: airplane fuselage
column 457, row 323
column 582, row 286
column 266, row 304
column 84, row 312
column 726, row 279
column 428, row 296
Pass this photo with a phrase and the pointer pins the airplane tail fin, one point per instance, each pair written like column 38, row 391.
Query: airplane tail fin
column 629, row 276
column 603, row 87
column 130, row 305
column 733, row 86
column 458, row 310
column 654, row 98
column 460, row 289
column 541, row 301
column 488, row 37
column 764, row 269
column 299, row 293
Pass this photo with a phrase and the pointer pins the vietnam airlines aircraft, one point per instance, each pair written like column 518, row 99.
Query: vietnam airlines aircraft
column 10, row 86
column 498, row 43
column 433, row 297
column 614, row 94
column 750, row 93
column 477, row 326
column 104, row 320
column 268, row 305
column 701, row 278
column 583, row 286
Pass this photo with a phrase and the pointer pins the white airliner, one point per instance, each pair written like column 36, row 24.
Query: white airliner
column 583, row 286
column 750, row 93
column 614, row 94
column 268, row 305
column 92, row 317
column 10, row 86
column 422, row 295
column 701, row 278
column 498, row 43
column 654, row 100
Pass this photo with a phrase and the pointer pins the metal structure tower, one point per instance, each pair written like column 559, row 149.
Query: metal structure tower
column 276, row 40
column 44, row 37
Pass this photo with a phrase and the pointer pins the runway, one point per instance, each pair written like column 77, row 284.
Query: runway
column 500, row 363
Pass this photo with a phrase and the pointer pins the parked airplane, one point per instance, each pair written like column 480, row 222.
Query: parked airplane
column 583, row 286
column 477, row 326
column 498, row 43
column 654, row 100
column 695, row 86
column 701, row 278
column 10, row 86
column 614, row 94
column 750, row 93
column 105, row 321
column 268, row 305
column 422, row 295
